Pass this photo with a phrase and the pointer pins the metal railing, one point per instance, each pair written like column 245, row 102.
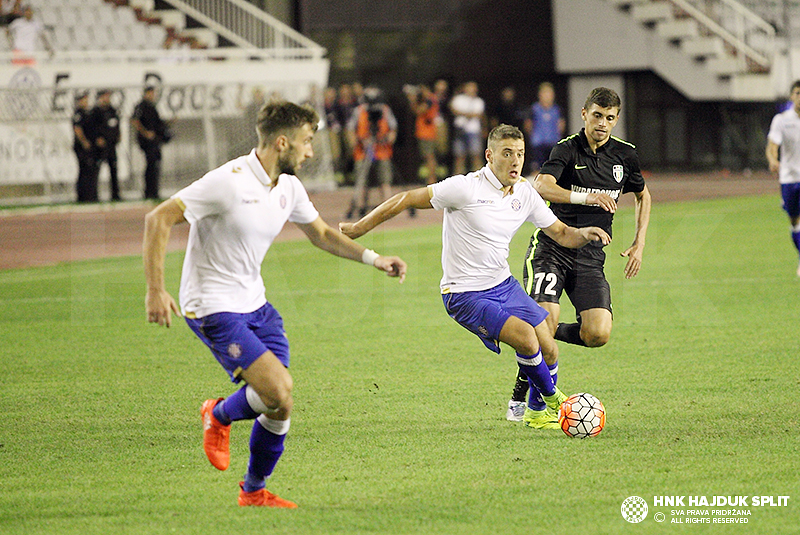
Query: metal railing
column 750, row 37
column 246, row 26
column 161, row 55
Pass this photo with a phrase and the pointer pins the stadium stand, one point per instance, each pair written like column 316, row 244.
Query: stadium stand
column 205, row 74
column 111, row 25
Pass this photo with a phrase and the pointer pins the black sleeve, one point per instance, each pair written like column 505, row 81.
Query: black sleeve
column 137, row 112
column 560, row 158
column 635, row 182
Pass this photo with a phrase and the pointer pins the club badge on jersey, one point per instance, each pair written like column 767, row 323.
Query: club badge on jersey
column 618, row 173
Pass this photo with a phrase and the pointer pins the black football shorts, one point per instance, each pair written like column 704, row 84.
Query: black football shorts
column 550, row 269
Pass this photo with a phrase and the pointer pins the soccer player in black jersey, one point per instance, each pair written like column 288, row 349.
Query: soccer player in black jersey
column 583, row 179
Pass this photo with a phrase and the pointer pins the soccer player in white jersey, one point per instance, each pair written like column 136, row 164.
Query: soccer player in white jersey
column 783, row 155
column 482, row 212
column 235, row 212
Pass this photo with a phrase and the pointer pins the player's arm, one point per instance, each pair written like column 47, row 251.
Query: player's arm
column 772, row 156
column 419, row 198
column 158, row 224
column 574, row 238
column 636, row 250
column 329, row 239
column 550, row 191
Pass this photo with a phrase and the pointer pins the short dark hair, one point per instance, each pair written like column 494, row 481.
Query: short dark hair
column 278, row 117
column 795, row 84
column 504, row 131
column 603, row 97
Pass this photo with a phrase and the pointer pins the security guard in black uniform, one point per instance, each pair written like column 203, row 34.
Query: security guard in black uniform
column 151, row 133
column 106, row 120
column 583, row 179
column 85, row 130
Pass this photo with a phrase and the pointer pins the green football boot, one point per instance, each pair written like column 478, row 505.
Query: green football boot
column 540, row 419
column 554, row 402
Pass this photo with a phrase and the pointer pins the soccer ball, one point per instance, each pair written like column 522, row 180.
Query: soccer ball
column 582, row 415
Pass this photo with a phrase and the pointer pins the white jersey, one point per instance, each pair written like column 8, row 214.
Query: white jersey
column 234, row 217
column 478, row 225
column 785, row 131
column 466, row 104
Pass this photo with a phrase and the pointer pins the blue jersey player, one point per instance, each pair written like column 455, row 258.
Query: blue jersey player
column 235, row 212
column 482, row 212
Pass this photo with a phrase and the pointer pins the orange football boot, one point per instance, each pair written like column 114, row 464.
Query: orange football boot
column 216, row 437
column 263, row 498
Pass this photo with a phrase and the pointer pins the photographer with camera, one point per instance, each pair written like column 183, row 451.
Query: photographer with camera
column 372, row 130
column 425, row 106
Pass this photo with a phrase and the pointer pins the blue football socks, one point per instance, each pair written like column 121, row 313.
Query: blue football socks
column 539, row 378
column 235, row 407
column 535, row 400
column 553, row 371
column 266, row 448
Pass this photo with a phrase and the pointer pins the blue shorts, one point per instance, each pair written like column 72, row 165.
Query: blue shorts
column 237, row 340
column 791, row 199
column 485, row 312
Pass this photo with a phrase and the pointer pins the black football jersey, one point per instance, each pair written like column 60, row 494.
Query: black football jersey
column 613, row 170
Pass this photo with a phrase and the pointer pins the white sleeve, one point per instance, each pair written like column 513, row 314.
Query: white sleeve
column 541, row 215
column 775, row 131
column 210, row 195
column 453, row 192
column 303, row 210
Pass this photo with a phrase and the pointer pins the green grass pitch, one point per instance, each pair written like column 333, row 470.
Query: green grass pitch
column 399, row 413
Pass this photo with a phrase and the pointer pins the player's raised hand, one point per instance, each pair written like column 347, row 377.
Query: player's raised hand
column 634, row 255
column 394, row 266
column 160, row 306
column 603, row 200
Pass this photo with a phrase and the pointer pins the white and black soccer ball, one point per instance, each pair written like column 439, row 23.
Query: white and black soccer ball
column 582, row 415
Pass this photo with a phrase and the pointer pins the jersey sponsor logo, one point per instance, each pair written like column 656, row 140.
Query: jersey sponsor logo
column 516, row 205
column 613, row 193
column 485, row 201
column 579, row 167
column 618, row 172
column 249, row 201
